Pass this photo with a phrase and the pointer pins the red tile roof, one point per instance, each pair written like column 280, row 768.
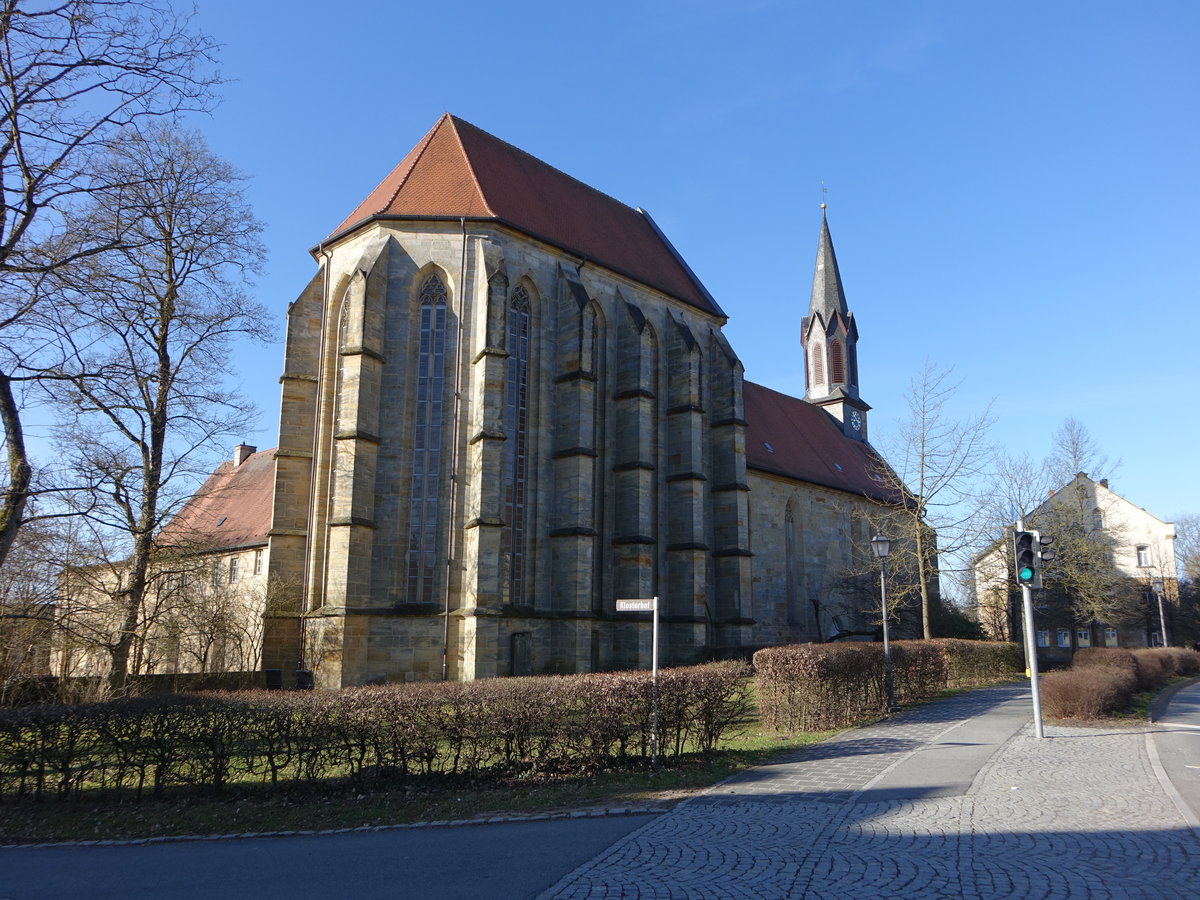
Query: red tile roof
column 231, row 510
column 791, row 437
column 458, row 170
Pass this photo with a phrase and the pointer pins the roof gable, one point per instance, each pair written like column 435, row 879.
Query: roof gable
column 460, row 171
column 791, row 437
column 232, row 509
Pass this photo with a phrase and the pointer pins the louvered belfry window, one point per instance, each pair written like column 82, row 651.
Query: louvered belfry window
column 427, row 443
column 818, row 365
column 516, row 445
column 837, row 362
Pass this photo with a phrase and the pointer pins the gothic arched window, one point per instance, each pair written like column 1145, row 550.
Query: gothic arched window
column 427, row 442
column 516, row 447
column 837, row 362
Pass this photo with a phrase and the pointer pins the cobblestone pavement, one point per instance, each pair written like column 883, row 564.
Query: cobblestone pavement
column 1079, row 814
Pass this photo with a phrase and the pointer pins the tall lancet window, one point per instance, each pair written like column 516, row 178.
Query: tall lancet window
column 516, row 445
column 427, row 443
column 790, row 563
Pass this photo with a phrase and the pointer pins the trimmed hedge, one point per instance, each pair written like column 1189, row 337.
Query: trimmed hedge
column 813, row 687
column 502, row 726
column 1087, row 693
column 1152, row 667
column 1103, row 680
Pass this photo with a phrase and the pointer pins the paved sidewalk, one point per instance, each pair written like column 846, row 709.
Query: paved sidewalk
column 953, row 799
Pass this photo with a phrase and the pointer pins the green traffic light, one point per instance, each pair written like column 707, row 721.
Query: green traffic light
column 1025, row 574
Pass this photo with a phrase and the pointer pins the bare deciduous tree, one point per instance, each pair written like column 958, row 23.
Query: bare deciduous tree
column 73, row 75
column 1073, row 449
column 937, row 463
column 144, row 331
column 1187, row 546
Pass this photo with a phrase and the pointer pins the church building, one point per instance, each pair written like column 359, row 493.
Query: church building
column 508, row 402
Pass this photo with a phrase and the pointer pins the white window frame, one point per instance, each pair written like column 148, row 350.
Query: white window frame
column 258, row 562
column 1043, row 637
column 1083, row 637
column 1064, row 638
column 233, row 569
column 1142, row 552
column 1111, row 638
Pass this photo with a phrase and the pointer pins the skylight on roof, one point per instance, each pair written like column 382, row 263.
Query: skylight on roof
column 770, row 449
column 222, row 521
column 838, row 466
column 876, row 476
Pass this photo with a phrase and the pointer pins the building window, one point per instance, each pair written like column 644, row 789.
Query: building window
column 258, row 562
column 1083, row 637
column 233, row 569
column 425, row 487
column 1097, row 520
column 1043, row 637
column 1064, row 637
column 1143, row 556
column 1110, row 637
column 516, row 445
column 215, row 575
column 1155, row 639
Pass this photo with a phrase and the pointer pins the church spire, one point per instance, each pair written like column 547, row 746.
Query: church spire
column 829, row 337
column 828, row 297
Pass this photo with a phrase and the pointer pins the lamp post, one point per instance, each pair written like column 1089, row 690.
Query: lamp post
column 1157, row 586
column 880, row 546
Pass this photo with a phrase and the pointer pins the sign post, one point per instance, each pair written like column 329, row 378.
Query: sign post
column 649, row 605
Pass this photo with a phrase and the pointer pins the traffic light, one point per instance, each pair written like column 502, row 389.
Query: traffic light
column 1044, row 553
column 1025, row 558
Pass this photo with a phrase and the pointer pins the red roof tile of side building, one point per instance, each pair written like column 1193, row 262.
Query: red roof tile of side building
column 230, row 511
column 458, row 170
column 791, row 437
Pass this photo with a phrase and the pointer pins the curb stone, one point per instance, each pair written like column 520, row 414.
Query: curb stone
column 615, row 812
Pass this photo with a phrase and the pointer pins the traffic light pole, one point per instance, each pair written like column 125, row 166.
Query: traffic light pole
column 1031, row 657
column 1031, row 652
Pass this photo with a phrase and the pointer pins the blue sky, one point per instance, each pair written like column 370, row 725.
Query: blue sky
column 1013, row 187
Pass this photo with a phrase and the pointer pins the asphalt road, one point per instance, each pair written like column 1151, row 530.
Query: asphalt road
column 1178, row 743
column 508, row 861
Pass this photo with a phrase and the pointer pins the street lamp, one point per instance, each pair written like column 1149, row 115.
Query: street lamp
column 1157, row 586
column 880, row 546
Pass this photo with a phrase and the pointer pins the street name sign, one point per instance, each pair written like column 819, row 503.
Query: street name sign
column 636, row 605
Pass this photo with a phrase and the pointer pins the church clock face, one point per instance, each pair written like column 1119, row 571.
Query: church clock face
column 855, row 421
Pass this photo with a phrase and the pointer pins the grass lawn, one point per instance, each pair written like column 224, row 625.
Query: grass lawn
column 243, row 809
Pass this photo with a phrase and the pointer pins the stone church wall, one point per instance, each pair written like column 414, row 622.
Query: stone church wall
column 636, row 470
column 811, row 549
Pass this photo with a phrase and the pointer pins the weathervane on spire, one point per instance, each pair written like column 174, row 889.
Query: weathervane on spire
column 824, row 191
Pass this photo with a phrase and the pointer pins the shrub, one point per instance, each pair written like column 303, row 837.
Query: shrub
column 812, row 687
column 1104, row 658
column 919, row 670
column 1154, row 668
column 1187, row 662
column 975, row 663
column 1087, row 693
column 206, row 741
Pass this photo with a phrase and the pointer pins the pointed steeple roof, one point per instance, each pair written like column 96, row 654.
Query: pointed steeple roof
column 460, row 171
column 828, row 298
